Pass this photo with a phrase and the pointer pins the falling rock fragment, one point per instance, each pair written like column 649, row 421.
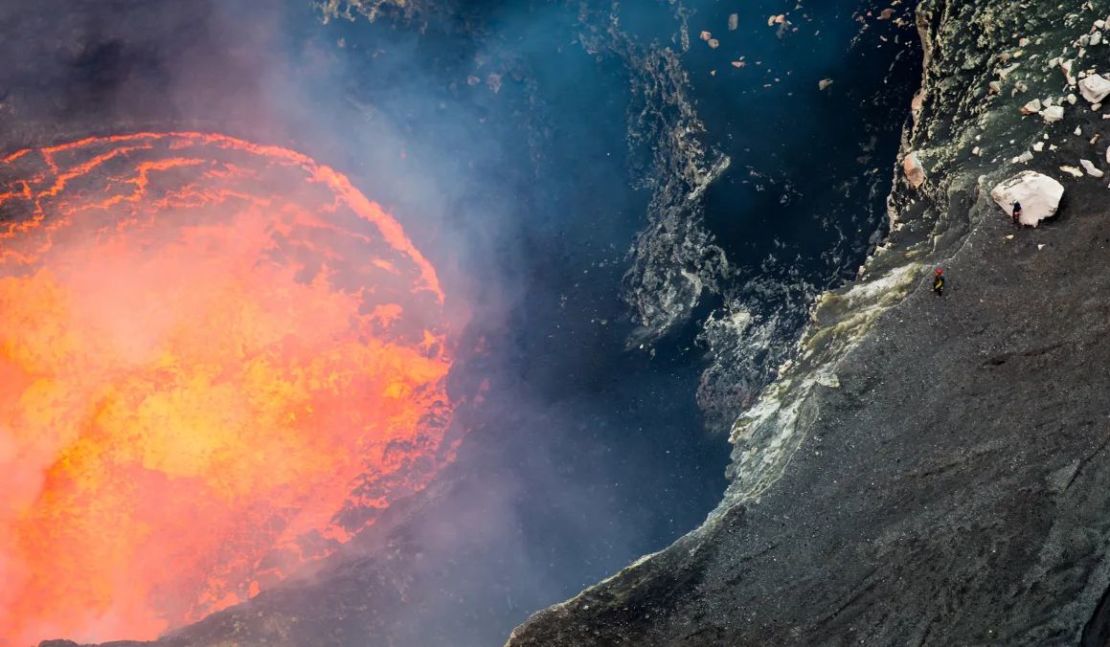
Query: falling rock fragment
column 1038, row 194
column 1091, row 169
column 1094, row 87
column 915, row 172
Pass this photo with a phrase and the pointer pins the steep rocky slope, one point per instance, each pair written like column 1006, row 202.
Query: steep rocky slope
column 931, row 470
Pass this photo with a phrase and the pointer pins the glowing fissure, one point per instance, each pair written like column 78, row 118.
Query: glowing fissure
column 218, row 359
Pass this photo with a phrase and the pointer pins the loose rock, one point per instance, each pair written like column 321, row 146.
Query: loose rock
column 1052, row 114
column 1094, row 88
column 915, row 172
column 1038, row 194
column 1091, row 169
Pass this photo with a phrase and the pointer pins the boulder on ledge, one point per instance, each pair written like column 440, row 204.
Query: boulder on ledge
column 1038, row 194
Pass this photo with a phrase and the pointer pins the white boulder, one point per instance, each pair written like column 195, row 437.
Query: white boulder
column 1052, row 114
column 1038, row 194
column 1094, row 88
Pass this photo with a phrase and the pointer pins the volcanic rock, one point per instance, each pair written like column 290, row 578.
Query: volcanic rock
column 1094, row 88
column 915, row 172
column 1038, row 194
column 1091, row 169
column 1031, row 108
column 1052, row 114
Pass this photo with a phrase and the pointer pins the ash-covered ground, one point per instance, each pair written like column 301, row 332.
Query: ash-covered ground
column 637, row 217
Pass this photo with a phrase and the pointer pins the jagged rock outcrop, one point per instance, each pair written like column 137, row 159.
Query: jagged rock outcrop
column 932, row 471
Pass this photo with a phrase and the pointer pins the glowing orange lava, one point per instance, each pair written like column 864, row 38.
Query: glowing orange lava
column 217, row 360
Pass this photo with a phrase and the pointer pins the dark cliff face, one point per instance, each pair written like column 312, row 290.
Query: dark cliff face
column 947, row 480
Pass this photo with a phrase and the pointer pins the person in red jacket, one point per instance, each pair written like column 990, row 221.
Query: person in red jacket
column 938, row 282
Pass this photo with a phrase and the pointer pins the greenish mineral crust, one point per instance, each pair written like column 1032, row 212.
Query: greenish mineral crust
column 928, row 470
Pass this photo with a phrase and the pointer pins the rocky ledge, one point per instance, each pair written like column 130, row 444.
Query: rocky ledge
column 931, row 470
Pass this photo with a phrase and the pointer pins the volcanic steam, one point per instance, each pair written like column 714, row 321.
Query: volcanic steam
column 218, row 360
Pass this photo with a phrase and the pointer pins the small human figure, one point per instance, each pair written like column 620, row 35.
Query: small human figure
column 938, row 282
column 1017, row 214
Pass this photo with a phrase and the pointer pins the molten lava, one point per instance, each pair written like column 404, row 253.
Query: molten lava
column 218, row 360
